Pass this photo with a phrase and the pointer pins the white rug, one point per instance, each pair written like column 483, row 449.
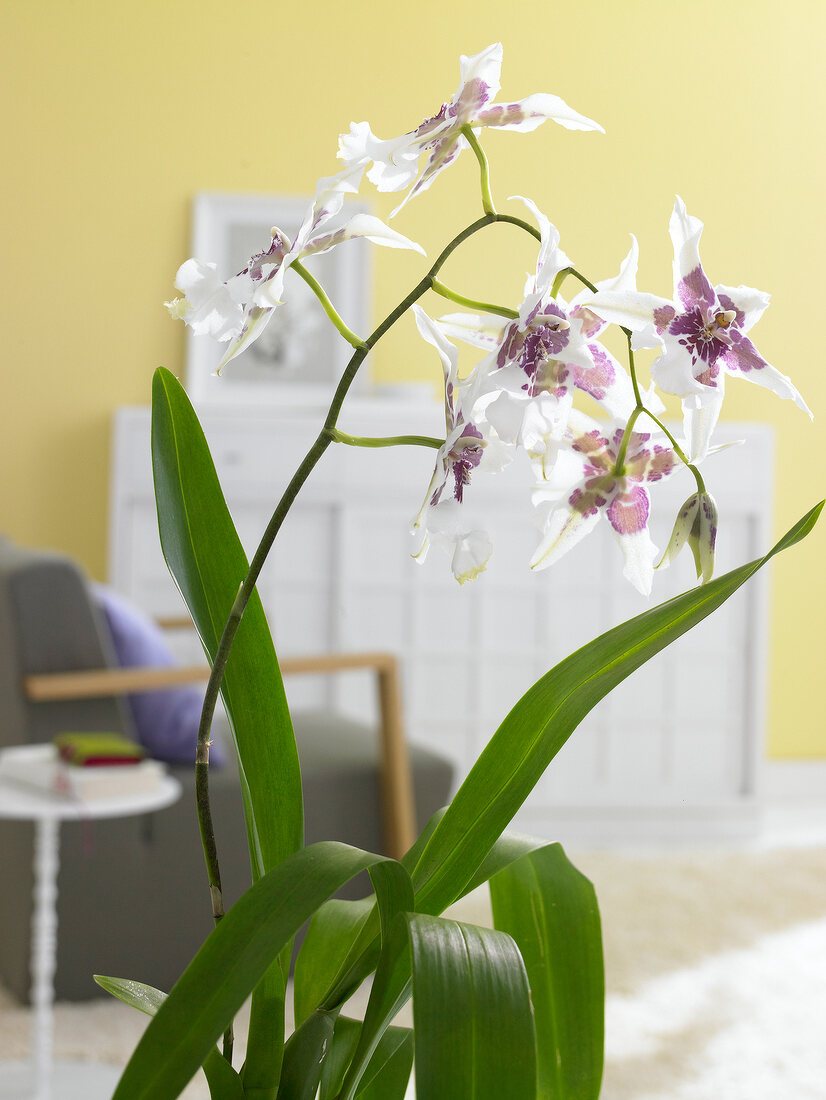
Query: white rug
column 716, row 975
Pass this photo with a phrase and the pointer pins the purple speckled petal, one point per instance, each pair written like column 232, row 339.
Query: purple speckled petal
column 485, row 67
column 695, row 291
column 749, row 304
column 745, row 361
column 528, row 113
column 607, row 382
column 628, row 511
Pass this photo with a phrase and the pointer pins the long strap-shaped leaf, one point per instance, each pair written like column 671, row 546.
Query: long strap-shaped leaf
column 224, row 1082
column 543, row 720
column 205, row 556
column 550, row 910
column 238, row 952
column 472, row 1019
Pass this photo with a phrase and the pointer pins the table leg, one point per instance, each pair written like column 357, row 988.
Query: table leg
column 44, row 951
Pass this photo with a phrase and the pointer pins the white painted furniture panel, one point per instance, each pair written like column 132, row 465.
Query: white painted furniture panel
column 679, row 740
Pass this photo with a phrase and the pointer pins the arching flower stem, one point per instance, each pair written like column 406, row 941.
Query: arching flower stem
column 471, row 303
column 326, row 304
column 484, row 169
column 384, row 441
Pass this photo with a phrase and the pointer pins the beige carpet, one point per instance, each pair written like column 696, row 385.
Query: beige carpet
column 716, row 974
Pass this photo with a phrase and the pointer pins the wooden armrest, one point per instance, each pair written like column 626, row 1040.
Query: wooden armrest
column 396, row 786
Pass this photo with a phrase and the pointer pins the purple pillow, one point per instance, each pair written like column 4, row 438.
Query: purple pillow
column 166, row 722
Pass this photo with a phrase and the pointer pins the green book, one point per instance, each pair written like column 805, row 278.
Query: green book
column 97, row 749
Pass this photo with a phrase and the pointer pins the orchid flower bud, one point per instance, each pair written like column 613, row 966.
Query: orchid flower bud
column 696, row 524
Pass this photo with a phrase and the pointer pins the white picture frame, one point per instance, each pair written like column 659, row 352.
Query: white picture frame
column 300, row 356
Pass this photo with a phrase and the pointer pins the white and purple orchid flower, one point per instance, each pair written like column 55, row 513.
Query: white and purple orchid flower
column 395, row 162
column 441, row 517
column 536, row 361
column 621, row 495
column 238, row 309
column 702, row 333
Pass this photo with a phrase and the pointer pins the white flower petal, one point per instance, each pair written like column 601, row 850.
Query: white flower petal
column 633, row 309
column 375, row 230
column 564, row 529
column 700, row 415
column 639, row 554
column 394, row 162
column 528, row 113
column 471, row 554
column 481, row 330
column 673, row 372
column 550, row 259
column 685, row 232
column 254, row 324
column 210, row 307
column 485, row 66
column 430, row 331
column 752, row 303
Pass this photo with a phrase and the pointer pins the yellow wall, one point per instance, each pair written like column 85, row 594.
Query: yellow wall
column 115, row 113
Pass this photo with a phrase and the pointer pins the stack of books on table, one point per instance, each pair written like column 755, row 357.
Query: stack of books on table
column 83, row 766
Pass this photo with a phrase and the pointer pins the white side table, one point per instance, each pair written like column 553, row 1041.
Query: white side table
column 44, row 1078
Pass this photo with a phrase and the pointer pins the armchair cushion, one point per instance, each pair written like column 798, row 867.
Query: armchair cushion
column 166, row 722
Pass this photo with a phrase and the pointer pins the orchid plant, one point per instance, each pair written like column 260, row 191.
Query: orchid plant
column 516, row 1010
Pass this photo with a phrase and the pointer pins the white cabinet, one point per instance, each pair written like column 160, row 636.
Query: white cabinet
column 674, row 749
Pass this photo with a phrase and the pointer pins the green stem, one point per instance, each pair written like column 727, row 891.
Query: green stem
column 327, row 305
column 484, row 168
column 640, row 408
column 563, row 274
column 471, row 303
column 385, row 441
column 619, row 466
column 679, row 452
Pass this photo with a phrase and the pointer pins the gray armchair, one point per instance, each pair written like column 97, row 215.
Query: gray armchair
column 132, row 896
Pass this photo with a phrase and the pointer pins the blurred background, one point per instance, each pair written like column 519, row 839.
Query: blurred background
column 116, row 114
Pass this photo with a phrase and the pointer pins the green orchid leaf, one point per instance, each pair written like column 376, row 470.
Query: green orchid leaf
column 304, row 1056
column 337, row 936
column 543, row 720
column 473, row 1023
column 207, row 561
column 194, row 521
column 304, row 1050
column 550, row 910
column 224, row 1083
column 332, row 956
column 232, row 960
column 388, row 1073
column 145, row 998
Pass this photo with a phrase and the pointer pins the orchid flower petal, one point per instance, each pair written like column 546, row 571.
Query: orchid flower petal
column 481, row 330
column 700, row 415
column 361, row 225
column 749, row 304
column 744, row 360
column 210, row 307
column 526, row 114
column 639, row 554
column 643, row 313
